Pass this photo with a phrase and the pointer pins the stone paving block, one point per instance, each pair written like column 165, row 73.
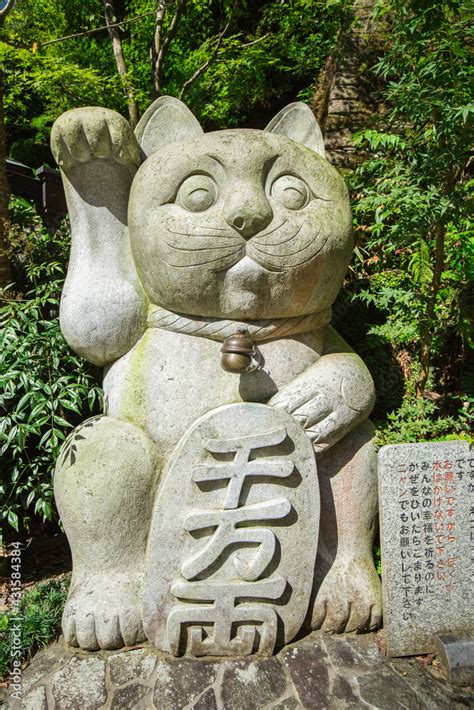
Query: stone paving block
column 179, row 683
column 320, row 673
column 80, row 685
column 436, row 694
column 386, row 690
column 207, row 701
column 290, row 703
column 35, row 700
column 308, row 665
column 125, row 667
column 342, row 690
column 132, row 697
column 45, row 660
column 249, row 685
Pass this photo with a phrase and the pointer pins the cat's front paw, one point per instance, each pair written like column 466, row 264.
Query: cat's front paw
column 349, row 598
column 329, row 399
column 84, row 134
column 104, row 612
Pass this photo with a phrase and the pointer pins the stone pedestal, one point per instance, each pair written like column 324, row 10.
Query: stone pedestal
column 317, row 672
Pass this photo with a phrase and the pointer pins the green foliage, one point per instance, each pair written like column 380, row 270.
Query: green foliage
column 406, row 425
column 45, row 389
column 271, row 51
column 39, row 618
column 273, row 54
column 378, row 560
column 412, row 192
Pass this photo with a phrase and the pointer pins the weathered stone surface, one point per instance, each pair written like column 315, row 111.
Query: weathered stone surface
column 247, row 685
column 207, row 701
column 456, row 654
column 36, row 699
column 352, row 651
column 426, row 493
column 132, row 697
column 179, row 683
column 45, row 661
column 130, row 665
column 289, row 703
column 343, row 689
column 80, row 685
column 241, row 465
column 311, row 674
column 309, row 668
column 180, row 239
column 430, row 686
column 386, row 690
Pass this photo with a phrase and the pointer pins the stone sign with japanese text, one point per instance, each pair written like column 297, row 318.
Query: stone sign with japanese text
column 230, row 571
column 426, row 494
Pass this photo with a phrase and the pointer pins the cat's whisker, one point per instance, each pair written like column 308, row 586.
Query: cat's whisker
column 283, row 241
column 268, row 248
column 284, row 258
column 218, row 231
column 234, row 239
column 227, row 257
column 287, row 254
column 191, row 249
column 215, row 229
column 262, row 236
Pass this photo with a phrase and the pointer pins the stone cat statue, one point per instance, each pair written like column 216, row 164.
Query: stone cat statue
column 181, row 240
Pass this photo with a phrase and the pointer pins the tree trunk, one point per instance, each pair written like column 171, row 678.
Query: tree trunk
column 5, row 271
column 426, row 329
column 346, row 93
column 161, row 42
column 120, row 61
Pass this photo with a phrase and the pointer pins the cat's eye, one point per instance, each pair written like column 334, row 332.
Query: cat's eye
column 197, row 193
column 291, row 192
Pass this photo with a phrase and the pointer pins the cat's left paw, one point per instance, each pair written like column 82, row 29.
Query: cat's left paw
column 329, row 399
column 349, row 598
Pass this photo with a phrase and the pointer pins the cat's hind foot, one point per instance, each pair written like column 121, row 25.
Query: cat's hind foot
column 349, row 598
column 104, row 612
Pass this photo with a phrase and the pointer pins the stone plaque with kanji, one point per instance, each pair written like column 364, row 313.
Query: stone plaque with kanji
column 426, row 494
column 232, row 547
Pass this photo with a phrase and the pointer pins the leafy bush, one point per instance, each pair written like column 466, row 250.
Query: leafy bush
column 39, row 615
column 45, row 389
column 407, row 425
column 412, row 192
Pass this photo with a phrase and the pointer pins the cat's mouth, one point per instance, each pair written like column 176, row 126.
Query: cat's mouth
column 221, row 249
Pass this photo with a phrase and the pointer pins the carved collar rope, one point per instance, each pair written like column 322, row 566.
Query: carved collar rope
column 218, row 329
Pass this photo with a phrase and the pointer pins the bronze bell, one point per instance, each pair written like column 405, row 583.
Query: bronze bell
column 237, row 352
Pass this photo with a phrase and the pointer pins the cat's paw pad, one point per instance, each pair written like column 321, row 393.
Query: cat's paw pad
column 101, row 615
column 349, row 598
column 84, row 134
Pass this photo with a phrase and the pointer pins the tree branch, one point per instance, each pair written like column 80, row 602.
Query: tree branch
column 204, row 67
column 120, row 62
column 160, row 48
column 95, row 29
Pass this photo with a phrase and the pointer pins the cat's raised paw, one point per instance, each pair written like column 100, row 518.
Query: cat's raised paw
column 85, row 134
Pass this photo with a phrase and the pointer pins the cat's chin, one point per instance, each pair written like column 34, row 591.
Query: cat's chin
column 244, row 289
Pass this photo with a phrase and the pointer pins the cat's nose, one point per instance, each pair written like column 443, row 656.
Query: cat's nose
column 250, row 216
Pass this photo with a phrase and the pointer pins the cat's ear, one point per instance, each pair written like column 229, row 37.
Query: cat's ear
column 167, row 120
column 297, row 121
